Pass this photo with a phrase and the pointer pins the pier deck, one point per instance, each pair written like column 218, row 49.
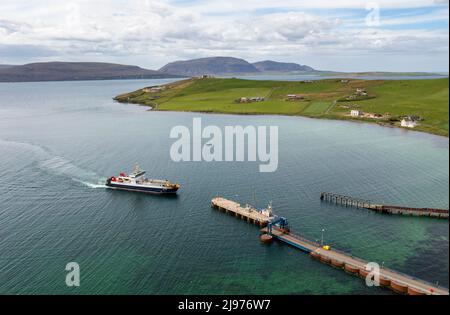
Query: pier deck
column 246, row 213
column 277, row 228
column 365, row 204
column 397, row 281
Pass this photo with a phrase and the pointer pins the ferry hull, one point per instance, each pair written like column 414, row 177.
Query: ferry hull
column 150, row 190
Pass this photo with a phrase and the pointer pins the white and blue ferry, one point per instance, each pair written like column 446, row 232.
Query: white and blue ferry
column 136, row 181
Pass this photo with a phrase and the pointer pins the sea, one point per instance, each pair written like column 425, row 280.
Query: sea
column 59, row 141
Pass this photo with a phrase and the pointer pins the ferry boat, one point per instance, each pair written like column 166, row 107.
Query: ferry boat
column 136, row 181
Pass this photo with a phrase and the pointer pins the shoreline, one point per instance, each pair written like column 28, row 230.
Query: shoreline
column 215, row 95
column 285, row 115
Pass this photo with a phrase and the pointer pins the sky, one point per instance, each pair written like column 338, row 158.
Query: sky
column 338, row 35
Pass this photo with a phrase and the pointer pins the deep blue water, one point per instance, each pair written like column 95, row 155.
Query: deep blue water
column 60, row 140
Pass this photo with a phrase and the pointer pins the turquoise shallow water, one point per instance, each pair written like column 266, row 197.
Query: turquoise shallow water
column 59, row 141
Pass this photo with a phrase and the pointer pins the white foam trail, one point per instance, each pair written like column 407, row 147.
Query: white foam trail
column 91, row 185
column 58, row 165
column 61, row 166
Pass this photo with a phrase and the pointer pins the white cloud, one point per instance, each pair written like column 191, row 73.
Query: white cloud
column 151, row 32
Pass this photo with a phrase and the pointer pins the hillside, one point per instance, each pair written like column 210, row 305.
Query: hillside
column 386, row 102
column 229, row 66
column 70, row 71
column 5, row 66
column 273, row 66
column 211, row 66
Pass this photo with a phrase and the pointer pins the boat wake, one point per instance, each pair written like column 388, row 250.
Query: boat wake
column 58, row 165
column 91, row 185
column 62, row 167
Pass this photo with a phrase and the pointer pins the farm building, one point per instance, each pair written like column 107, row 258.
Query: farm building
column 373, row 115
column 356, row 113
column 152, row 89
column 361, row 92
column 408, row 122
column 251, row 99
column 294, row 97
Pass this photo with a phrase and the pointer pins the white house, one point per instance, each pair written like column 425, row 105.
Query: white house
column 360, row 92
column 409, row 123
column 152, row 89
column 251, row 99
column 355, row 113
column 294, row 97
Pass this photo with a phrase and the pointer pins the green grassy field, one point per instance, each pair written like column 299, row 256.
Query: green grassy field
column 427, row 99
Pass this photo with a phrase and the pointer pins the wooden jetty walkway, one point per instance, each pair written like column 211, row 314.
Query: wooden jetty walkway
column 277, row 228
column 396, row 281
column 365, row 204
column 259, row 217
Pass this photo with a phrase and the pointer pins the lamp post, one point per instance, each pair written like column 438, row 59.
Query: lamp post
column 323, row 230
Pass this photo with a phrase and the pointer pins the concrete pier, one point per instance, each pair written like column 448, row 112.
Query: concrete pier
column 277, row 228
column 396, row 281
column 248, row 213
column 365, row 204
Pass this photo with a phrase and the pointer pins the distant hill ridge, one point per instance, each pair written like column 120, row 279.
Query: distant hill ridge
column 5, row 66
column 274, row 66
column 213, row 65
column 229, row 65
column 72, row 71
